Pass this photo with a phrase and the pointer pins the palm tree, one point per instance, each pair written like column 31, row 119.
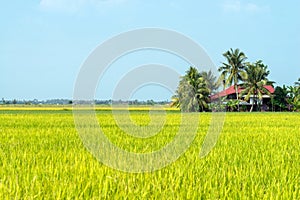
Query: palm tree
column 185, row 97
column 190, row 87
column 192, row 92
column 211, row 81
column 233, row 70
column 192, row 76
column 280, row 99
column 255, row 81
column 202, row 94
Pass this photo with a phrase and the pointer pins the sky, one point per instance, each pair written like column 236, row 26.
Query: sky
column 44, row 43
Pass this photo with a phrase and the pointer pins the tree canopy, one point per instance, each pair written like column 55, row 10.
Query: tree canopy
column 192, row 94
column 255, row 82
column 233, row 70
column 250, row 81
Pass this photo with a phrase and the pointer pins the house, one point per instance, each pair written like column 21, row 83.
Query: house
column 230, row 93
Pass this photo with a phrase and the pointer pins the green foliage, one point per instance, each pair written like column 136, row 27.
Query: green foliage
column 255, row 81
column 232, row 104
column 294, row 97
column 280, row 99
column 287, row 98
column 185, row 98
column 210, row 80
column 233, row 71
column 218, row 106
column 192, row 92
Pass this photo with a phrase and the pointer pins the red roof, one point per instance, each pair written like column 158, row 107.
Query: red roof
column 231, row 90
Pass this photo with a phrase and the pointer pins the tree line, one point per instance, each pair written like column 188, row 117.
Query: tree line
column 96, row 102
column 251, row 78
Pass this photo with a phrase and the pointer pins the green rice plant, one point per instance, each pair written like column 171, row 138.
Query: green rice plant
column 42, row 157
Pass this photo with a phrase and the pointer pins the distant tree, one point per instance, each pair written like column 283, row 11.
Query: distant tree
column 150, row 102
column 233, row 71
column 192, row 92
column 255, row 81
column 280, row 98
column 14, row 101
column 294, row 97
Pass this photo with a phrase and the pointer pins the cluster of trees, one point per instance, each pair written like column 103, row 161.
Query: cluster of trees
column 68, row 101
column 195, row 88
column 287, row 98
column 36, row 102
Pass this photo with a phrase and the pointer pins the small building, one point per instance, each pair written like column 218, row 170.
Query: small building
column 230, row 94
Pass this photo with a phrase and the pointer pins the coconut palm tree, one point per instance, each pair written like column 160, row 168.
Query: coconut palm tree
column 280, row 99
column 233, row 70
column 255, row 81
column 202, row 94
column 192, row 76
column 192, row 92
column 211, row 81
column 187, row 96
column 189, row 87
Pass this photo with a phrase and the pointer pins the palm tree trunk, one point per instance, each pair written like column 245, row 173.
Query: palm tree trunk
column 237, row 96
column 256, row 102
column 252, row 104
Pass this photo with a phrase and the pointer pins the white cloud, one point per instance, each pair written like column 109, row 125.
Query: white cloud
column 233, row 6
column 76, row 5
column 238, row 6
column 251, row 7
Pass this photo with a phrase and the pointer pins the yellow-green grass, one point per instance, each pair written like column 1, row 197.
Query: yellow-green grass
column 42, row 157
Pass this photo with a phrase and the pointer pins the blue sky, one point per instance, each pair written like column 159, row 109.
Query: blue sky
column 44, row 43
